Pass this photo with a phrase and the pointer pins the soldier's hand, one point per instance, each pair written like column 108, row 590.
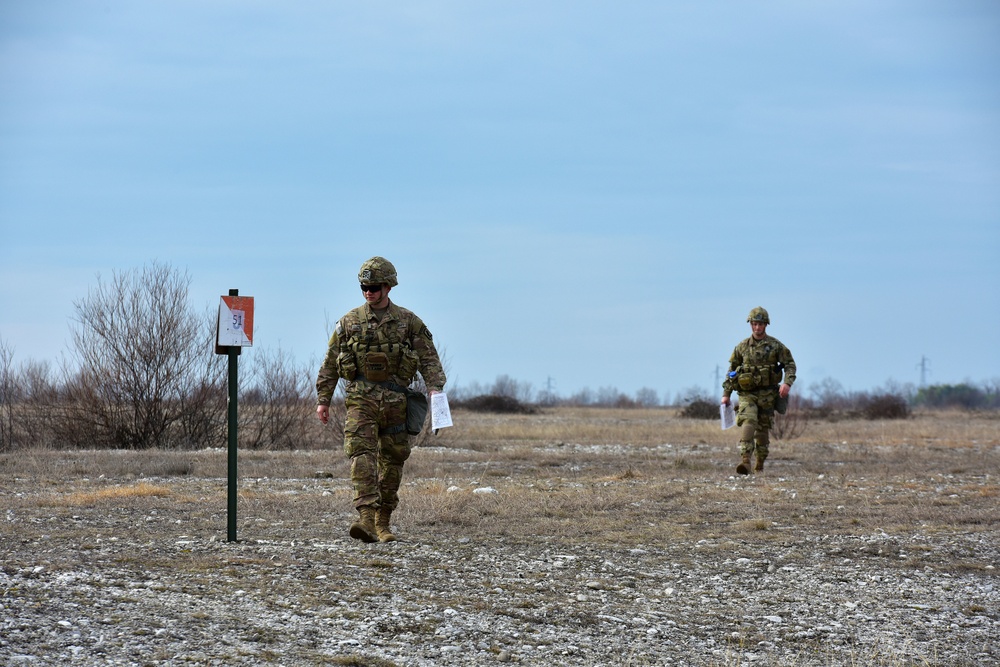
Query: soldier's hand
column 784, row 390
column 725, row 400
column 323, row 412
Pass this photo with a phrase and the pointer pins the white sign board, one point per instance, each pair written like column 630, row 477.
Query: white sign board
column 236, row 321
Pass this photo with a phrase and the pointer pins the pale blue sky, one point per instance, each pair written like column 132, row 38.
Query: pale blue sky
column 592, row 192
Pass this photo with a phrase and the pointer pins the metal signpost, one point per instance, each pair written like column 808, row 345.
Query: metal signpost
column 235, row 331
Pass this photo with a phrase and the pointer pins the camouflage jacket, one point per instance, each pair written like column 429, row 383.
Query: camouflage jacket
column 759, row 365
column 400, row 344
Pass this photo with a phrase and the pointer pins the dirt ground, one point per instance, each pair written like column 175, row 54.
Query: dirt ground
column 558, row 545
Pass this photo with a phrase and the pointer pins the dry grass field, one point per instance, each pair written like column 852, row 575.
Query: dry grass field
column 653, row 493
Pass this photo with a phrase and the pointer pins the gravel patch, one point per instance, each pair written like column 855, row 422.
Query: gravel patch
column 146, row 581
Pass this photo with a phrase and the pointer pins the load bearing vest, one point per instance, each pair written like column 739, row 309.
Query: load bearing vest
column 760, row 368
column 383, row 352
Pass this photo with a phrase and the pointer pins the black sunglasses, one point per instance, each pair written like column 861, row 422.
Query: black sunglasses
column 371, row 288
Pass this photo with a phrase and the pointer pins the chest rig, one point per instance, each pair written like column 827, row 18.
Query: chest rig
column 761, row 367
column 378, row 352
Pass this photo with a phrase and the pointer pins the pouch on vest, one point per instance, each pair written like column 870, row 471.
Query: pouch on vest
column 416, row 411
column 408, row 364
column 746, row 381
column 377, row 366
column 346, row 367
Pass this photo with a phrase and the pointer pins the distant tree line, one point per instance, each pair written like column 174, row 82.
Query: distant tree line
column 523, row 394
column 826, row 399
column 142, row 372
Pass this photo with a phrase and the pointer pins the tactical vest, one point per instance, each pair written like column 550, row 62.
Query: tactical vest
column 380, row 353
column 760, row 368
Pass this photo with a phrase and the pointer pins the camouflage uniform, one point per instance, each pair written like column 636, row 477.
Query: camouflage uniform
column 757, row 368
column 378, row 355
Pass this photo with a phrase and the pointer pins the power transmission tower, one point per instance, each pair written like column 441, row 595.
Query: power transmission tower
column 924, row 367
column 549, row 397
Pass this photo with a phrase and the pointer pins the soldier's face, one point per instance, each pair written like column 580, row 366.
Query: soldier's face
column 758, row 329
column 377, row 299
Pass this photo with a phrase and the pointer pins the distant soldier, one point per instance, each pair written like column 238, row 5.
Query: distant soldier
column 377, row 348
column 756, row 368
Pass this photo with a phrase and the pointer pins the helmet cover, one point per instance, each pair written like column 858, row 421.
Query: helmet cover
column 758, row 314
column 378, row 271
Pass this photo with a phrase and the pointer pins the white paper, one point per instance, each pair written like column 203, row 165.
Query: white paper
column 440, row 412
column 728, row 415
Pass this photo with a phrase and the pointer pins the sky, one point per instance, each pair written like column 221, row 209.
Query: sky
column 575, row 194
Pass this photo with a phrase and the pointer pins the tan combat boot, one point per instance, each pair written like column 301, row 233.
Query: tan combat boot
column 744, row 467
column 382, row 527
column 364, row 528
column 759, row 466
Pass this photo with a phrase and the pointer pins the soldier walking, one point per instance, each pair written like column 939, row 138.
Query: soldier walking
column 378, row 348
column 761, row 371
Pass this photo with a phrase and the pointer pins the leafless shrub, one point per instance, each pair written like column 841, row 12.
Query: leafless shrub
column 793, row 423
column 276, row 409
column 7, row 396
column 26, row 394
column 700, row 408
column 202, row 398
column 136, row 345
column 647, row 397
column 885, row 406
column 495, row 404
column 508, row 387
column 504, row 386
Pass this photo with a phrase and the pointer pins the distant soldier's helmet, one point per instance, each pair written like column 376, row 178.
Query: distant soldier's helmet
column 758, row 314
column 378, row 271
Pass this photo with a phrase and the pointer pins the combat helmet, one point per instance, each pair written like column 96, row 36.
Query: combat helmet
column 758, row 314
column 378, row 270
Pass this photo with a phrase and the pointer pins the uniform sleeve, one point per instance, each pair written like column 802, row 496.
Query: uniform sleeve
column 326, row 381
column 788, row 364
column 430, row 363
column 735, row 361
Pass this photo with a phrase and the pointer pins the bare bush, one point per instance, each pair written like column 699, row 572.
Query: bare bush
column 507, row 386
column 7, row 396
column 885, row 406
column 495, row 404
column 646, row 397
column 829, row 394
column 136, row 345
column 203, row 398
column 609, row 396
column 277, row 405
column 29, row 403
column 39, row 402
column 793, row 423
column 700, row 408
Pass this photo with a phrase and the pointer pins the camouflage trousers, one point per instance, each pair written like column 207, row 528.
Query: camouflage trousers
column 756, row 417
column 376, row 457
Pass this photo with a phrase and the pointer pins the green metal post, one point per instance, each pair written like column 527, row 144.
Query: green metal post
column 233, row 385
